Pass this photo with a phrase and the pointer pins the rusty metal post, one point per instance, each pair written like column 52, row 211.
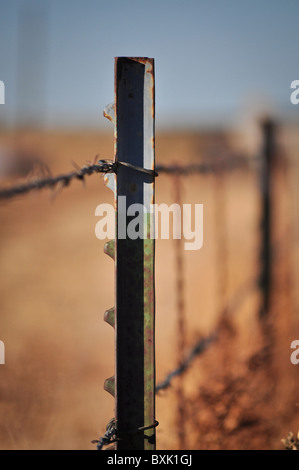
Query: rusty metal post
column 268, row 155
column 134, row 313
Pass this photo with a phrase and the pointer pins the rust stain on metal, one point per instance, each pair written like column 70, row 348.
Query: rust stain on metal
column 149, row 329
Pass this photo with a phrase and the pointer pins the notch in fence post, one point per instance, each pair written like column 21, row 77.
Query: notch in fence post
column 134, row 251
column 267, row 166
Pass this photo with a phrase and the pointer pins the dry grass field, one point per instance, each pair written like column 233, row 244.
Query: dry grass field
column 56, row 284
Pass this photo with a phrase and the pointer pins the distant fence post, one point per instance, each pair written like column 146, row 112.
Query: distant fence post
column 267, row 166
column 181, row 322
column 134, row 382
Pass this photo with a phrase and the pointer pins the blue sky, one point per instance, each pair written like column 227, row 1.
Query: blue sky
column 213, row 57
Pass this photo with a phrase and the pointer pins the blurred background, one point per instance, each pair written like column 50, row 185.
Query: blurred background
column 221, row 67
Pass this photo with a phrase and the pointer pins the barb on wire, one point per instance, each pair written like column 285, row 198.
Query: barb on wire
column 109, row 436
column 108, row 166
column 204, row 343
column 102, row 166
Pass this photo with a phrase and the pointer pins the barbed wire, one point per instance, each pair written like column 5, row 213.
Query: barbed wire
column 200, row 347
column 108, row 166
column 102, row 166
column 204, row 343
column 216, row 165
column 112, row 435
column 109, row 436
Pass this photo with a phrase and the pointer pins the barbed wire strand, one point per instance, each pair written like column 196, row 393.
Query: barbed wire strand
column 102, row 166
column 212, row 166
column 204, row 343
column 108, row 166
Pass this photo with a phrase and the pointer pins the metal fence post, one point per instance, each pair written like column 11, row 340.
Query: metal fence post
column 134, row 383
column 268, row 155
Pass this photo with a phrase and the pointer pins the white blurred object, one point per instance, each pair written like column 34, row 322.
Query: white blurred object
column 7, row 161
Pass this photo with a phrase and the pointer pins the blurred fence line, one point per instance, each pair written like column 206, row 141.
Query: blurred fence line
column 266, row 163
